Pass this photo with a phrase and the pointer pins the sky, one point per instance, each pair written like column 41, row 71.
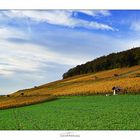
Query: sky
column 38, row 46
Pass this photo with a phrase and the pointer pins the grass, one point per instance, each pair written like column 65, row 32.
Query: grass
column 121, row 112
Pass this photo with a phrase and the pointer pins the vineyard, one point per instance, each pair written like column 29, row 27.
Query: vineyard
column 95, row 83
column 18, row 101
column 88, row 84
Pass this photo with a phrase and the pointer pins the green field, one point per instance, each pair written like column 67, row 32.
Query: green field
column 121, row 112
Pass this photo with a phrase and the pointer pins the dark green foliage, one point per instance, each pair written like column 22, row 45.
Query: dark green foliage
column 115, row 60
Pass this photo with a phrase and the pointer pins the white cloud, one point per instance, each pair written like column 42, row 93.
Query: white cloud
column 95, row 13
column 27, row 57
column 7, row 32
column 5, row 72
column 135, row 26
column 93, row 25
column 62, row 17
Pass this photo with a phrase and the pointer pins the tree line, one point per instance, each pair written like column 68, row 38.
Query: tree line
column 126, row 58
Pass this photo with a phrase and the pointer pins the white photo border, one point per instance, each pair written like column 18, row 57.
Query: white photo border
column 70, row 4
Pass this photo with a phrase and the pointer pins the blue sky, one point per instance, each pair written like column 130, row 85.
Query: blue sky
column 38, row 46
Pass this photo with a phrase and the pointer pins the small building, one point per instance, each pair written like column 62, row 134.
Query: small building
column 116, row 89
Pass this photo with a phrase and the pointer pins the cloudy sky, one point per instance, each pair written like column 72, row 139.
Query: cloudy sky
column 38, row 46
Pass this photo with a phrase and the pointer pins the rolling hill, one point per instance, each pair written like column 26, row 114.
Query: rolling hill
column 87, row 84
column 93, row 83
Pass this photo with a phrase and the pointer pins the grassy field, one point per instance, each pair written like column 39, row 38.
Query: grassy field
column 121, row 112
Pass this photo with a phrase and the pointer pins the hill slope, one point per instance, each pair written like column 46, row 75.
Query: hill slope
column 100, row 82
column 93, row 83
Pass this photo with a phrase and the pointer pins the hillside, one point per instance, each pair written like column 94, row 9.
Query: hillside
column 122, row 59
column 86, row 84
column 93, row 83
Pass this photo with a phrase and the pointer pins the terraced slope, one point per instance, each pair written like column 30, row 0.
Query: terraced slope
column 94, row 83
column 101, row 83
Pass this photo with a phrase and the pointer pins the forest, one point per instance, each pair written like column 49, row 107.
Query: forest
column 122, row 59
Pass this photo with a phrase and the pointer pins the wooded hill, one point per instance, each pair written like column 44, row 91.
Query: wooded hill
column 122, row 59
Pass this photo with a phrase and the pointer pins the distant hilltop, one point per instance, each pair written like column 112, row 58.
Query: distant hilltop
column 122, row 59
